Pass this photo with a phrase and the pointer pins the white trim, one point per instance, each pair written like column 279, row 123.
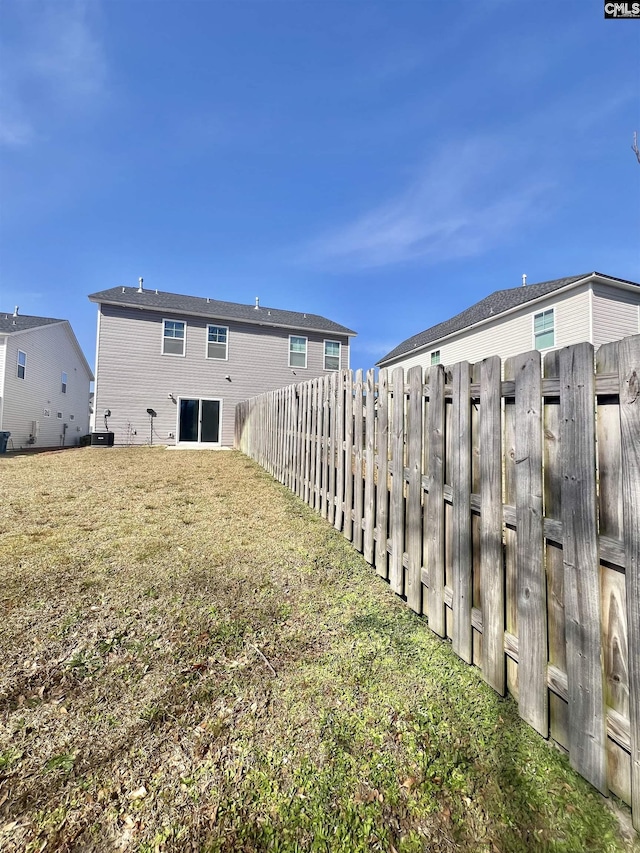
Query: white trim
column 163, row 338
column 306, row 353
column 198, row 444
column 554, row 330
column 324, row 354
column 206, row 342
column 591, row 315
column 23, row 366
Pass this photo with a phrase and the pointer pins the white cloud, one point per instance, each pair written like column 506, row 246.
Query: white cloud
column 469, row 198
column 53, row 65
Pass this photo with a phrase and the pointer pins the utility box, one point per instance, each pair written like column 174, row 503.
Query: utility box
column 102, row 439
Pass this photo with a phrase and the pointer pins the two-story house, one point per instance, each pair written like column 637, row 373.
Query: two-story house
column 44, row 382
column 170, row 368
column 592, row 307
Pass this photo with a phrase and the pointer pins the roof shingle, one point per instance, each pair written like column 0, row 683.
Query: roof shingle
column 215, row 309
column 491, row 306
column 21, row 323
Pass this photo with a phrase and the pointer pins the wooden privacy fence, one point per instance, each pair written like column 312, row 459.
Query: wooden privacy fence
column 507, row 511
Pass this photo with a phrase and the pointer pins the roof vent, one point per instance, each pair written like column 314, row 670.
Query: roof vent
column 208, row 300
column 524, row 280
column 257, row 302
column 15, row 311
column 123, row 290
column 140, row 288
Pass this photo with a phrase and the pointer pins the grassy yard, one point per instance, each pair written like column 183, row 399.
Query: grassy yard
column 193, row 660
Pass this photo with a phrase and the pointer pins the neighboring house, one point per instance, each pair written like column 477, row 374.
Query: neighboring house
column 44, row 382
column 174, row 367
column 592, row 307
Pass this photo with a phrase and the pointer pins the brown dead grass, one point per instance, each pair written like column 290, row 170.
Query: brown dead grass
column 193, row 660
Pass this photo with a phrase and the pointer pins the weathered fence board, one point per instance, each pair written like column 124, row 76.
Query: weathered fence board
column 629, row 373
column 369, row 464
column 491, row 571
column 358, row 494
column 506, row 510
column 396, row 568
column 414, row 490
column 461, row 484
column 434, row 527
column 382, row 476
column 531, row 584
column 587, row 749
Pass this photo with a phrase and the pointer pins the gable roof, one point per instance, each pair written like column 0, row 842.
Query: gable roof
column 200, row 306
column 492, row 306
column 10, row 323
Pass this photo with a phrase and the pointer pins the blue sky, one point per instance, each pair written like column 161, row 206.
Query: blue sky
column 384, row 164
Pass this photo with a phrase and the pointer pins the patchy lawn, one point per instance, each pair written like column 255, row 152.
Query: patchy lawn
column 192, row 659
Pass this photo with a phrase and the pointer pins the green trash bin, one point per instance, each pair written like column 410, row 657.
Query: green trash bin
column 4, row 438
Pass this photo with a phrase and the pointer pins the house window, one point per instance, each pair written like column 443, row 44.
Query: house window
column 217, row 342
column 435, row 356
column 543, row 329
column 297, row 351
column 173, row 332
column 22, row 364
column 332, row 355
column 63, row 383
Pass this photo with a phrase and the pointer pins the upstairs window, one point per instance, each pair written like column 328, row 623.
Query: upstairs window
column 173, row 334
column 22, row 364
column 297, row 351
column 435, row 356
column 332, row 355
column 543, row 329
column 217, row 342
column 63, row 383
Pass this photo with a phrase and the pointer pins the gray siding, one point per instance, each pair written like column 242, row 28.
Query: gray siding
column 50, row 350
column 615, row 314
column 513, row 334
column 133, row 375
